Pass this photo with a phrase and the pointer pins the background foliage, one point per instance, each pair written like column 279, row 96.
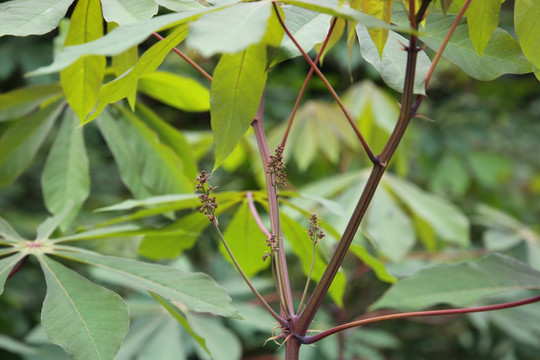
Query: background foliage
column 465, row 181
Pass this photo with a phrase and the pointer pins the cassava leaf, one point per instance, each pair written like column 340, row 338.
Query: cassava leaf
column 22, row 101
column 502, row 54
column 122, row 87
column 197, row 291
column 236, row 92
column 246, row 241
column 121, row 38
column 130, row 172
column 230, row 30
column 526, row 13
column 8, row 234
column 86, row 319
column 394, row 60
column 30, row 17
column 177, row 91
column 482, row 19
column 128, row 11
column 20, row 142
column 460, row 284
column 6, row 264
column 82, row 79
column 65, row 177
column 381, row 10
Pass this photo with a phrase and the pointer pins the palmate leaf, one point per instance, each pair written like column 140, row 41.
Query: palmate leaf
column 122, row 38
column 230, row 30
column 128, row 11
column 236, row 92
column 197, row 291
column 82, row 79
column 394, row 60
column 20, row 142
column 65, row 178
column 123, row 86
column 8, row 234
column 526, row 13
column 86, row 319
column 30, row 17
column 6, row 265
column 22, row 101
column 460, row 284
column 502, row 54
column 482, row 19
column 381, row 10
column 177, row 91
column 246, row 241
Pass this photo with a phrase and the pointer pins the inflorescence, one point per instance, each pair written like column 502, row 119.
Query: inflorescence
column 314, row 231
column 209, row 203
column 276, row 167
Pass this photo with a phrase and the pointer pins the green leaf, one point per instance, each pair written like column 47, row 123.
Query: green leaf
column 126, row 161
column 8, row 234
column 82, row 79
column 104, row 233
column 21, row 141
column 121, row 39
column 6, row 265
column 66, row 177
column 375, row 264
column 197, row 291
column 123, row 86
column 235, row 95
column 389, row 226
column 128, row 11
column 230, row 30
column 296, row 235
column 220, row 340
column 47, row 227
column 188, row 229
column 394, row 60
column 459, row 284
column 86, row 319
column 502, row 54
column 22, row 101
column 159, row 166
column 181, row 319
column 526, row 13
column 482, row 19
column 174, row 90
column 180, row 5
column 442, row 216
column 246, row 241
column 308, row 28
column 171, row 137
column 30, row 17
column 123, row 62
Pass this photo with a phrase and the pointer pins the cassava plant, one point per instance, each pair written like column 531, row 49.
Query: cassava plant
column 250, row 40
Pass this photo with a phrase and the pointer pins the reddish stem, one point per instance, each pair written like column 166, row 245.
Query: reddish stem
column 249, row 197
column 322, row 335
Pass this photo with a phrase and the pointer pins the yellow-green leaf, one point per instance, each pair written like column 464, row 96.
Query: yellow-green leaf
column 526, row 15
column 235, row 95
column 482, row 19
column 123, row 86
column 81, row 80
column 382, row 10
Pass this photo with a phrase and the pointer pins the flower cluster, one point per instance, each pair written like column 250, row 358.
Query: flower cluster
column 209, row 203
column 276, row 167
column 314, row 231
column 272, row 243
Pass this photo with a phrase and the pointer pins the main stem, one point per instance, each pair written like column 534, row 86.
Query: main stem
column 313, row 304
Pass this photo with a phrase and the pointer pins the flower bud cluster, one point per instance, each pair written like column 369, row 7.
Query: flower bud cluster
column 272, row 243
column 314, row 231
column 276, row 167
column 209, row 203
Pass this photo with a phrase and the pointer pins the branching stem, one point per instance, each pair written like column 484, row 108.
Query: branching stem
column 322, row 335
